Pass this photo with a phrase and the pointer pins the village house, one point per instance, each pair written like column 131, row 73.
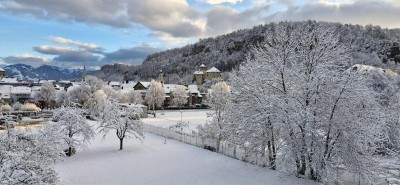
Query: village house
column 21, row 93
column 115, row 85
column 2, row 72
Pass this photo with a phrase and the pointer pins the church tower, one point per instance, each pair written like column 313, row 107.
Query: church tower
column 161, row 77
column 84, row 74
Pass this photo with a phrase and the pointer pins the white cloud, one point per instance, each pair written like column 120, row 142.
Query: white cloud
column 171, row 41
column 60, row 40
column 213, row 2
column 382, row 13
column 223, row 19
column 26, row 59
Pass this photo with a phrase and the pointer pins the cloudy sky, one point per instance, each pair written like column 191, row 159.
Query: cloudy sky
column 70, row 33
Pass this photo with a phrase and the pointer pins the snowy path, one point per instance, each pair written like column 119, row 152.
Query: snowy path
column 154, row 163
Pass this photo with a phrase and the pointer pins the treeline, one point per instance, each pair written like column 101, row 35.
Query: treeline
column 370, row 45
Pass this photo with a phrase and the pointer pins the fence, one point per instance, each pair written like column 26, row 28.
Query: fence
column 226, row 149
column 240, row 153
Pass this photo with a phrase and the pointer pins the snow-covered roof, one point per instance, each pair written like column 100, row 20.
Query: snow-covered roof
column 36, row 88
column 5, row 91
column 195, row 91
column 128, row 85
column 202, row 65
column 114, row 83
column 21, row 90
column 145, row 84
column 213, row 70
column 1, row 69
column 169, row 87
column 64, row 82
column 192, row 86
column 198, row 72
column 42, row 81
column 9, row 80
column 76, row 83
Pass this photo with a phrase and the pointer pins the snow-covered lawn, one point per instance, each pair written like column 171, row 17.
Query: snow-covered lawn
column 154, row 162
column 192, row 117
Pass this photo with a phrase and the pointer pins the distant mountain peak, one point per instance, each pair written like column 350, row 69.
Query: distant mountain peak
column 47, row 72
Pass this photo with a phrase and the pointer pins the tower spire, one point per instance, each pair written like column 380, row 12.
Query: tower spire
column 84, row 73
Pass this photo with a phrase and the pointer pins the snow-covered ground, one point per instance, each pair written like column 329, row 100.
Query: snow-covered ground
column 166, row 119
column 153, row 162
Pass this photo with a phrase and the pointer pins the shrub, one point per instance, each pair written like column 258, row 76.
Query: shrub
column 30, row 107
column 5, row 108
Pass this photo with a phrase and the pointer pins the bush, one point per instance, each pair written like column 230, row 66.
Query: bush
column 5, row 108
column 30, row 107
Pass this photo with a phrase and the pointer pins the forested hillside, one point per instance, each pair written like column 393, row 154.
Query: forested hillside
column 370, row 45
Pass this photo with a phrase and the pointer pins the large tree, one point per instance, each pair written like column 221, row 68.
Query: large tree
column 80, row 94
column 76, row 131
column 180, row 96
column 155, row 95
column 46, row 95
column 96, row 102
column 124, row 120
column 94, row 83
column 28, row 157
column 135, row 97
column 217, row 99
column 294, row 95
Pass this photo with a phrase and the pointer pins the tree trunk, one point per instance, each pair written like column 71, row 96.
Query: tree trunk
column 272, row 145
column 154, row 110
column 121, row 140
column 218, row 143
column 303, row 166
column 69, row 151
column 270, row 160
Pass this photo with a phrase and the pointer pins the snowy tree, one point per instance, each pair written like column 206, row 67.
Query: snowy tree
column 28, row 157
column 96, row 102
column 47, row 94
column 63, row 99
column 130, row 96
column 124, row 120
column 135, row 97
column 80, row 94
column 123, row 96
column 94, row 83
column 179, row 96
column 294, row 95
column 110, row 92
column 217, row 99
column 155, row 95
column 76, row 132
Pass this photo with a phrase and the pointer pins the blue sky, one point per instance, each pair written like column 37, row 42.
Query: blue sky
column 71, row 34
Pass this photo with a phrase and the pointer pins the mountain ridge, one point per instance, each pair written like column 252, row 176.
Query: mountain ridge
column 44, row 72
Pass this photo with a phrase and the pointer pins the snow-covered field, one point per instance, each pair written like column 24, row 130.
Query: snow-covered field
column 166, row 119
column 153, row 162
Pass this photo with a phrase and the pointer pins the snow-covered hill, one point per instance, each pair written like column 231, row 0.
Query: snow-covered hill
column 28, row 72
column 370, row 45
